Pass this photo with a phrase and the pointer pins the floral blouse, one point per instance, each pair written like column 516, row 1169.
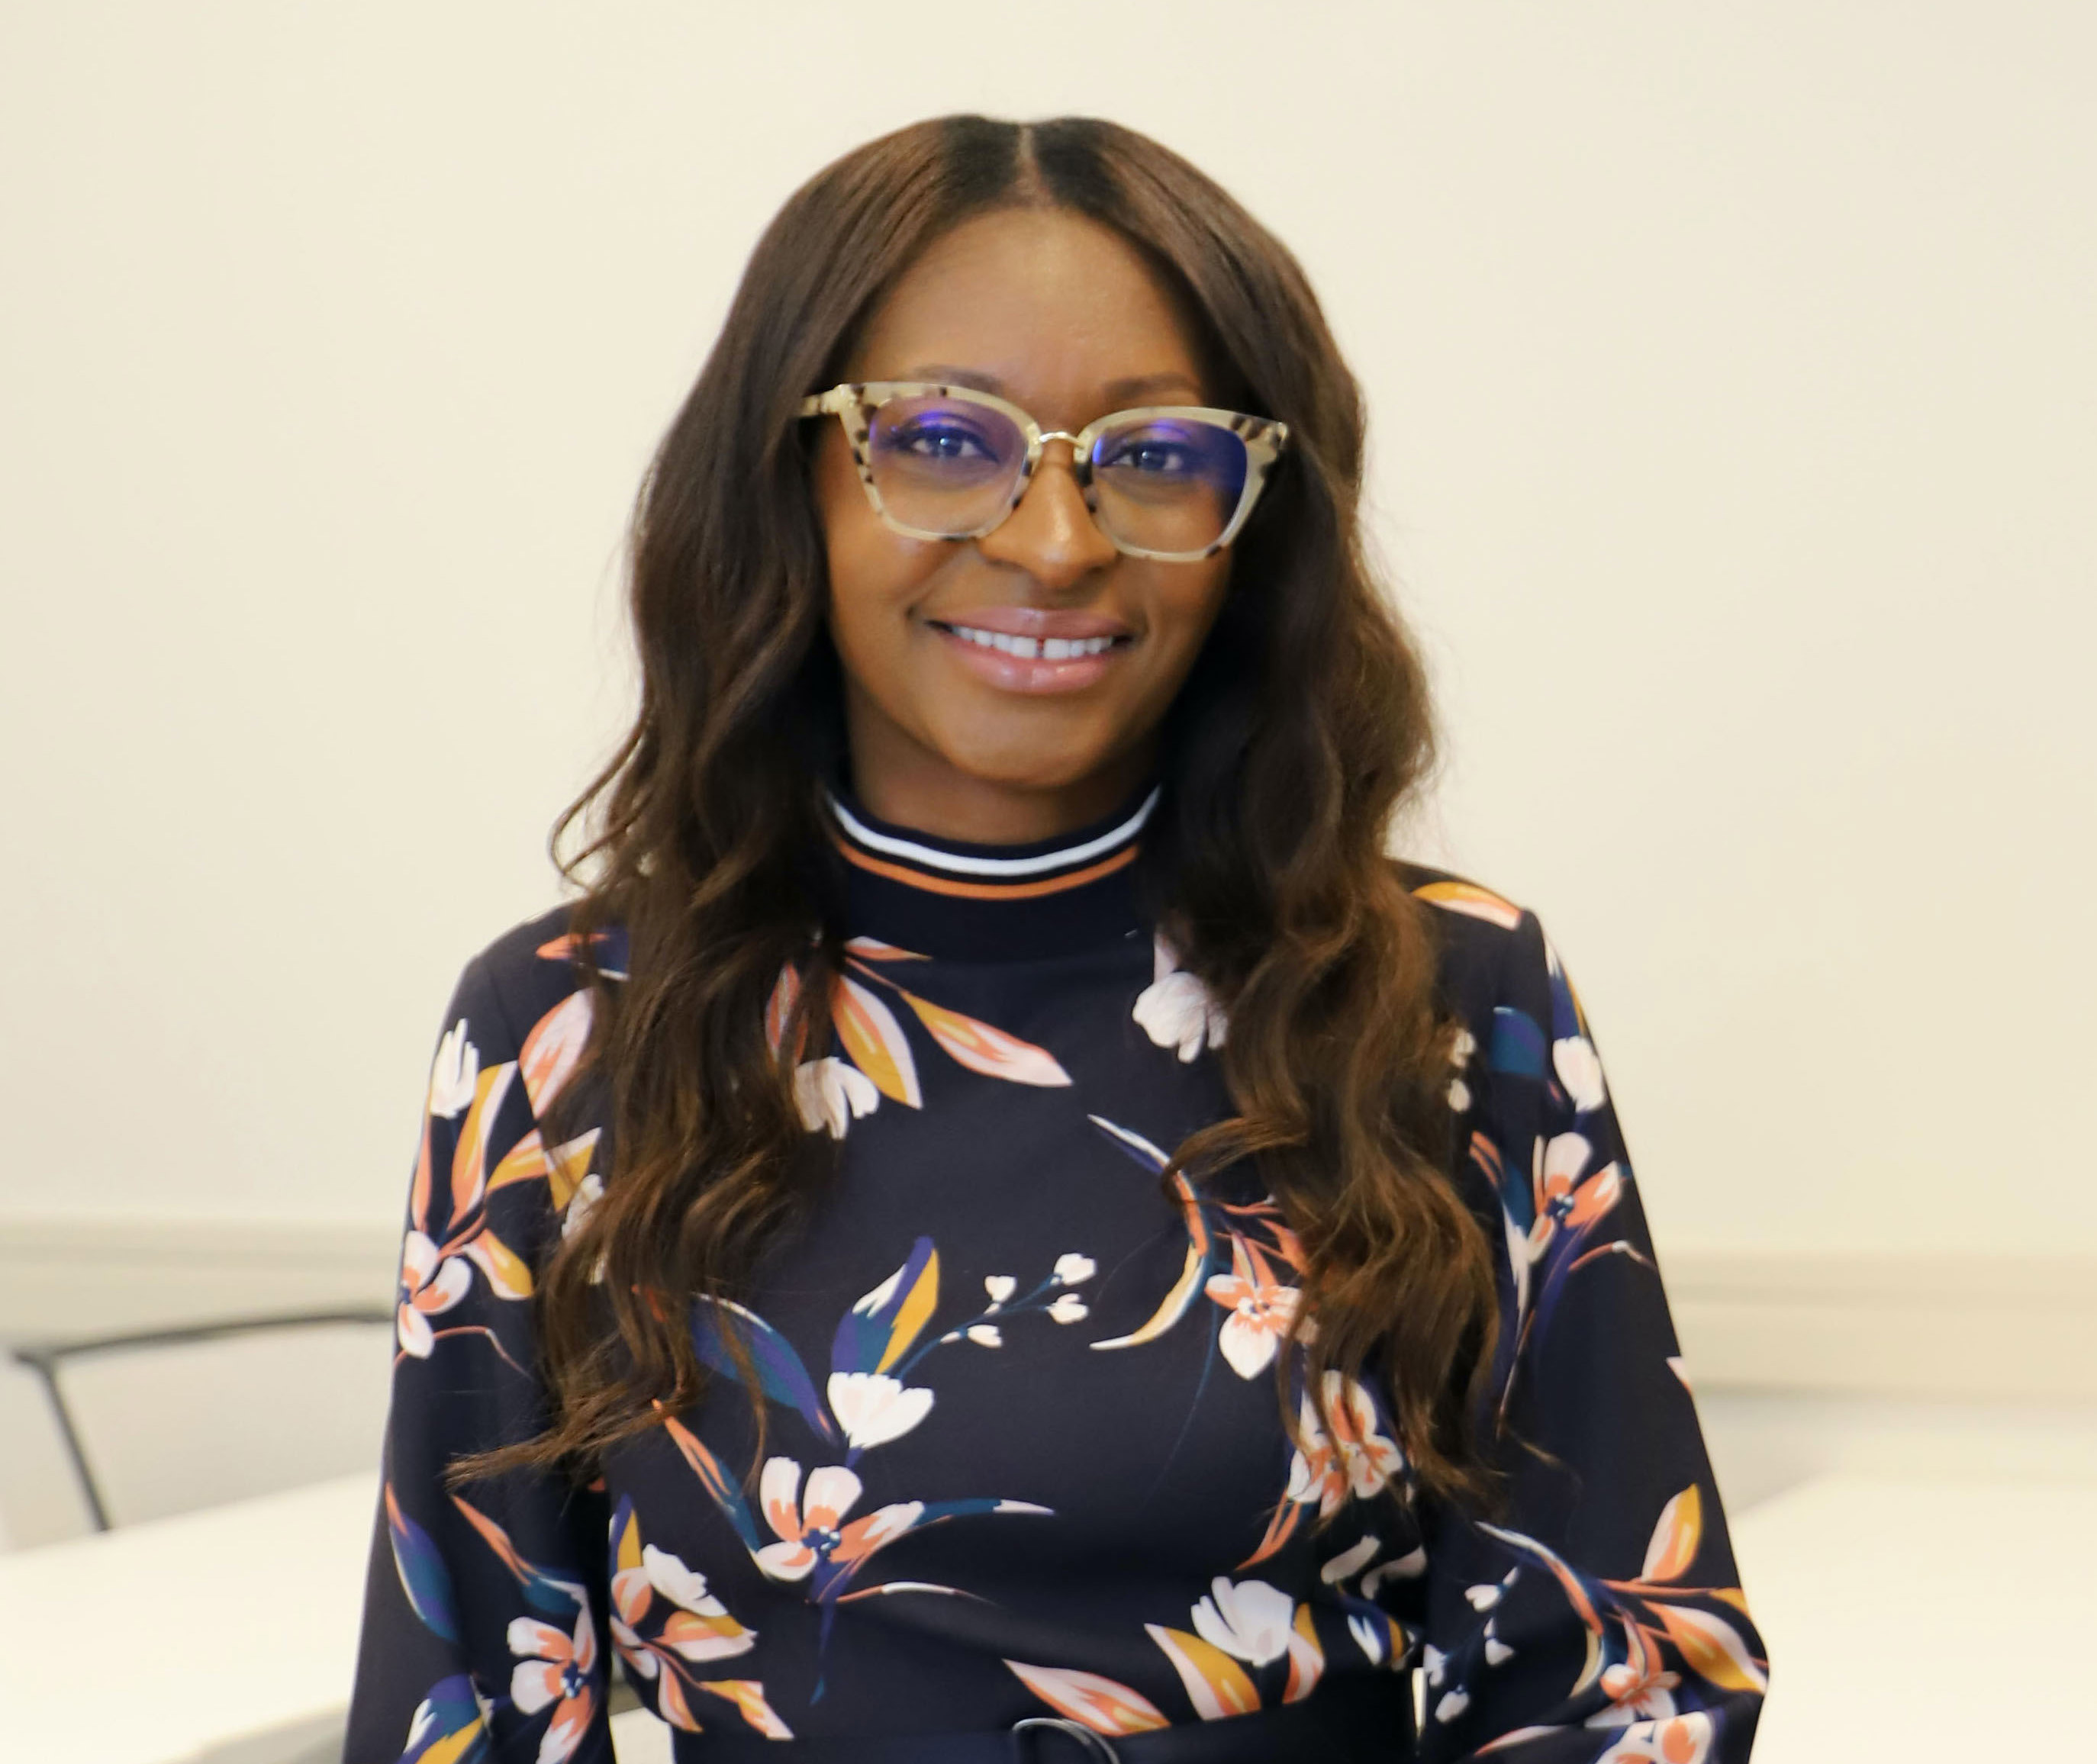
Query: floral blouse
column 1024, row 1455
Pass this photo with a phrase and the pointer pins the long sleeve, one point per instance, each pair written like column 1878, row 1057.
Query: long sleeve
column 1598, row 1616
column 485, row 1609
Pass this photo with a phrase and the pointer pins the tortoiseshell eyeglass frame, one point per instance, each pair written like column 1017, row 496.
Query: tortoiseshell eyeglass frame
column 853, row 404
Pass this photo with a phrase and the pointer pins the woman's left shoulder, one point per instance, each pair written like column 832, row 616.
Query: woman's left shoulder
column 1492, row 952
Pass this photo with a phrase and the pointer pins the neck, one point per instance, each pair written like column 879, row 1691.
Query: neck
column 926, row 793
column 991, row 901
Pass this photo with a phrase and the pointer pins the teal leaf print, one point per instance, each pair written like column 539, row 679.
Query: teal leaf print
column 542, row 1591
column 424, row 1576
column 1518, row 1044
column 727, row 1494
column 781, row 1376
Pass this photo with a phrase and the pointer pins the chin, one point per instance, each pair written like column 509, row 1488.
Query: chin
column 1016, row 764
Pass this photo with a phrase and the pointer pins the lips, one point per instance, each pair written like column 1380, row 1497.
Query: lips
column 1029, row 633
column 1034, row 648
column 1035, row 622
column 1024, row 649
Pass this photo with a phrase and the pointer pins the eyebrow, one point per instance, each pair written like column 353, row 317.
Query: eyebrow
column 1117, row 391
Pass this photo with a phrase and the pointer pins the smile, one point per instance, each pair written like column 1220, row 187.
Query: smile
column 1034, row 648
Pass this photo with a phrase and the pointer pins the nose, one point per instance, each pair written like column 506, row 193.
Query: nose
column 1052, row 534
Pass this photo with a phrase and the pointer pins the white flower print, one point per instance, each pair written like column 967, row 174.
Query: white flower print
column 1349, row 1562
column 429, row 1286
column 832, row 1094
column 686, row 1588
column 1176, row 1010
column 1369, row 1637
column 1261, row 1310
column 1069, row 1308
column 1460, row 1051
column 1409, row 1566
column 454, row 1073
column 1001, row 1287
column 874, row 1408
column 588, row 1193
column 1579, row 1070
column 986, row 1335
column 1672, row 1739
column 556, row 1668
column 1249, row 1619
column 1073, row 1269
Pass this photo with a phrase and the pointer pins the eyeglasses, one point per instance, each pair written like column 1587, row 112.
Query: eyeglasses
column 1171, row 482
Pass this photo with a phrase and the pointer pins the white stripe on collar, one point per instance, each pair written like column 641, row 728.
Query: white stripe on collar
column 931, row 857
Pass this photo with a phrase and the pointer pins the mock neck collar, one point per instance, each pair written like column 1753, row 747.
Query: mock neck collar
column 949, row 897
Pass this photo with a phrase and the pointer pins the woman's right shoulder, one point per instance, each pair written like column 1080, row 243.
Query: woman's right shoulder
column 531, row 981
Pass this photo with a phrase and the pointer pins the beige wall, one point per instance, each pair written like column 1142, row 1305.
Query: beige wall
column 1733, row 378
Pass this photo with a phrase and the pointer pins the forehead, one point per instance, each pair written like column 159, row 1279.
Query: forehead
column 1043, row 303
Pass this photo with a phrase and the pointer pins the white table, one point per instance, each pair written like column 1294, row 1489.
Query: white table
column 228, row 1634
column 1925, row 1620
column 1908, row 1620
column 159, row 1642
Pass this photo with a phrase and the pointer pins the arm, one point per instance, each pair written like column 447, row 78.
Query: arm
column 484, row 1608
column 1598, row 1616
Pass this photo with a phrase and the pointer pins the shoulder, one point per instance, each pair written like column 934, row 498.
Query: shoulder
column 1493, row 955
column 527, row 987
column 1500, row 979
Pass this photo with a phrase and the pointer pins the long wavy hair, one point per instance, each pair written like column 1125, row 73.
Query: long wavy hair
column 1303, row 725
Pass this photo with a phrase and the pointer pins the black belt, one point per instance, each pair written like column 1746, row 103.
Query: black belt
column 1355, row 1719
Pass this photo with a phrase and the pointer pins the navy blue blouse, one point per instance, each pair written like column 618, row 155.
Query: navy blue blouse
column 1023, row 1455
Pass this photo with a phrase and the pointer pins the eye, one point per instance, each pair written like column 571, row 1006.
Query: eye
column 1157, row 456
column 1163, row 452
column 928, row 440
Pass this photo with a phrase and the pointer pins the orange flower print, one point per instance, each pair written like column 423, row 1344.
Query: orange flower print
column 668, row 1624
column 1105, row 1706
column 1672, row 1739
column 874, row 1058
column 809, row 1530
column 431, row 1284
column 557, row 1669
column 1354, row 1460
column 1568, row 1195
column 1261, row 1307
column 449, row 1233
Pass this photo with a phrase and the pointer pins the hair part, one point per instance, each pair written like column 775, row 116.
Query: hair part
column 1303, row 726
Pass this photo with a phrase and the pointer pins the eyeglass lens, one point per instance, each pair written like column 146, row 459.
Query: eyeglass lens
column 948, row 466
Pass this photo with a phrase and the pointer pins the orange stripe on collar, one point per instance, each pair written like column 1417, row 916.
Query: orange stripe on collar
column 972, row 890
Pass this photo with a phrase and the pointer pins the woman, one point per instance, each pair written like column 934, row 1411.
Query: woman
column 1098, row 1261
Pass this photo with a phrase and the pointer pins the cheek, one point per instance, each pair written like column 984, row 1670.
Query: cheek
column 1187, row 603
column 873, row 572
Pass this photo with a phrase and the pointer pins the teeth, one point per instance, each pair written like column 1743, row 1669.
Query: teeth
column 1032, row 649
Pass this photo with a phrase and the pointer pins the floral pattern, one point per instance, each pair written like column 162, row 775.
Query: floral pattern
column 1020, row 1451
column 875, row 1058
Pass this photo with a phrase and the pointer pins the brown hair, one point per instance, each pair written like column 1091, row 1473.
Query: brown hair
column 1303, row 725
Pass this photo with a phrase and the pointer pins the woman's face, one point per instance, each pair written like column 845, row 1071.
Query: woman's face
column 1063, row 317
